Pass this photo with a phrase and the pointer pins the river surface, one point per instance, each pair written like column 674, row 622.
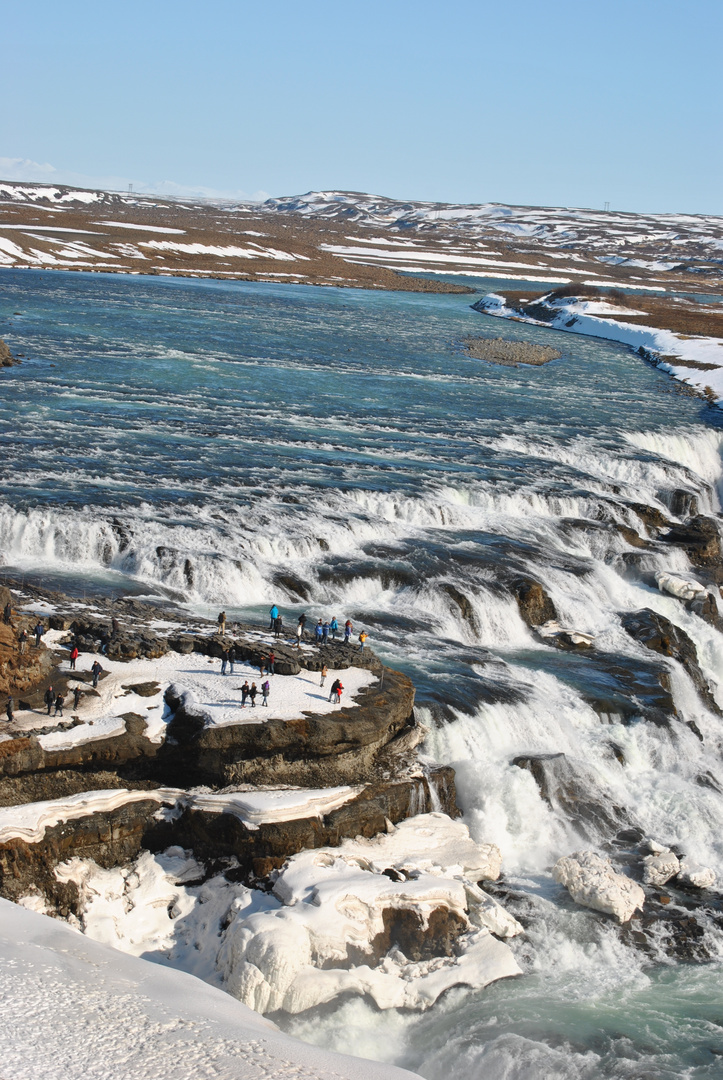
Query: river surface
column 335, row 451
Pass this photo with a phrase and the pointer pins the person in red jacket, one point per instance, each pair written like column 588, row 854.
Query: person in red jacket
column 73, row 657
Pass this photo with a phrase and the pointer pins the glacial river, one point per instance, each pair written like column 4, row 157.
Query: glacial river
column 335, row 451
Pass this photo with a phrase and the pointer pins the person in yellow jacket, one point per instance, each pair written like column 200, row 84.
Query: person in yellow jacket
column 362, row 638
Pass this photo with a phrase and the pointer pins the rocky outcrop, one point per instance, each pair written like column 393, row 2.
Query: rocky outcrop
column 6, row 357
column 700, row 539
column 660, row 635
column 535, row 605
column 314, row 750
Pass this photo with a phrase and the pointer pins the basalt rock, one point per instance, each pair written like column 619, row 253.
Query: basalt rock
column 662, row 636
column 462, row 602
column 20, row 672
column 6, row 357
column 700, row 539
column 114, row 837
column 535, row 605
column 313, row 750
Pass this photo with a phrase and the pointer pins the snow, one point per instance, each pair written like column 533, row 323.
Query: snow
column 333, row 901
column 683, row 588
column 260, row 807
column 140, row 228
column 289, row 949
column 104, row 728
column 75, row 1009
column 230, row 252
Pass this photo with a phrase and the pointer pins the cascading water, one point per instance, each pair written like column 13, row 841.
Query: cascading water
column 335, row 452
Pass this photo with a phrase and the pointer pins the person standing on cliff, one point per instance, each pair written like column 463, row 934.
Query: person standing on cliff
column 22, row 641
column 334, row 627
column 77, row 695
column 299, row 634
column 334, row 687
column 59, row 702
column 7, row 613
column 9, row 710
column 265, row 687
column 348, row 631
column 224, row 660
column 244, row 694
column 38, row 631
column 339, row 688
column 362, row 638
column 273, row 615
column 253, row 691
column 49, row 698
column 222, row 623
column 73, row 657
column 324, row 673
column 96, row 672
column 231, row 659
column 278, row 627
column 271, row 662
column 302, row 624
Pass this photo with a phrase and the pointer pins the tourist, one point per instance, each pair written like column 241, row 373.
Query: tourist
column 302, row 624
column 231, row 659
column 22, row 641
column 324, row 673
column 114, row 628
column 74, row 653
column 334, row 627
column 9, row 710
column 339, row 689
column 77, row 695
column 271, row 662
column 244, row 694
column 319, row 632
column 96, row 673
column 7, row 613
column 362, row 638
column 222, row 622
column 273, row 614
column 334, row 687
column 299, row 633
column 224, row 660
column 253, row 691
column 348, row 631
column 59, row 702
column 265, row 687
column 325, row 633
column 49, row 698
column 39, row 630
column 262, row 666
column 278, row 627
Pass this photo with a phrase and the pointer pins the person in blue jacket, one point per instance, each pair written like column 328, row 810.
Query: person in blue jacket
column 274, row 614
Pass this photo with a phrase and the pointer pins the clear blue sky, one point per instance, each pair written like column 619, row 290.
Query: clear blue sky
column 564, row 103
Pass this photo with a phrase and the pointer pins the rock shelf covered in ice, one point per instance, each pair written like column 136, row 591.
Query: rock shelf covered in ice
column 399, row 918
column 593, row 883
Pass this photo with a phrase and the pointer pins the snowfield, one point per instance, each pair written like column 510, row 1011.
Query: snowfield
column 74, row 1009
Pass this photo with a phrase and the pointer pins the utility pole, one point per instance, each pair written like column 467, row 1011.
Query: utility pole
column 607, row 206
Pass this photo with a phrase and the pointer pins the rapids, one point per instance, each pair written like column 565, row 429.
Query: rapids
column 230, row 444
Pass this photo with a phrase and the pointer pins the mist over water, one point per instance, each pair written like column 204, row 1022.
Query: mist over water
column 335, row 451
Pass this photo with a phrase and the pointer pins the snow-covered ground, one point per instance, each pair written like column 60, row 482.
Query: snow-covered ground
column 218, row 696
column 74, row 1009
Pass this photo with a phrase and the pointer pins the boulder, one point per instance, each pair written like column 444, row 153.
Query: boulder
column 660, row 868
column 590, row 811
column 684, row 588
column 535, row 605
column 593, row 883
column 6, row 357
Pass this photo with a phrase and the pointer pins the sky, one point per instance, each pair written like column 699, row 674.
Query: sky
column 565, row 104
